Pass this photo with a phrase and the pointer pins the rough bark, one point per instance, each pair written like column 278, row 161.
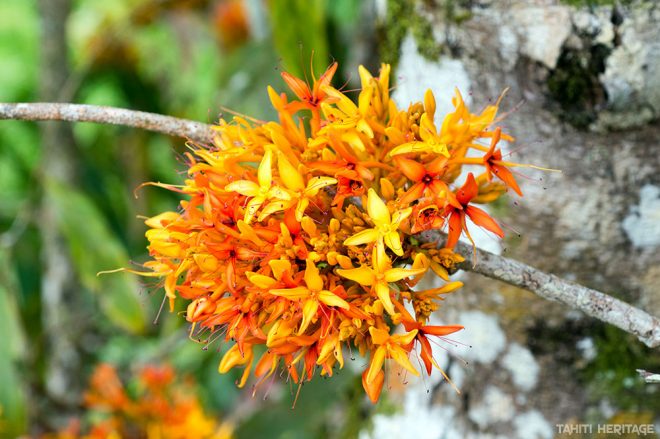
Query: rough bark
column 196, row 131
column 583, row 86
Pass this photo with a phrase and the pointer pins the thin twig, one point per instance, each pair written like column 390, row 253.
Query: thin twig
column 649, row 377
column 548, row 286
column 172, row 126
column 594, row 303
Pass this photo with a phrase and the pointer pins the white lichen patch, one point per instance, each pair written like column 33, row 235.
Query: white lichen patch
column 532, row 425
column 642, row 225
column 417, row 419
column 508, row 46
column 484, row 334
column 587, row 348
column 596, row 23
column 543, row 31
column 496, row 406
column 524, row 369
column 632, row 72
column 416, row 74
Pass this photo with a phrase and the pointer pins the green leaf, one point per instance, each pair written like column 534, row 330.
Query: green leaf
column 299, row 29
column 19, row 33
column 93, row 249
column 13, row 413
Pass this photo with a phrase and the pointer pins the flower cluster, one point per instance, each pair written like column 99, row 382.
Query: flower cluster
column 300, row 238
column 161, row 408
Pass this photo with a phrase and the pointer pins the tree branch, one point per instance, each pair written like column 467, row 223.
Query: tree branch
column 594, row 303
column 172, row 126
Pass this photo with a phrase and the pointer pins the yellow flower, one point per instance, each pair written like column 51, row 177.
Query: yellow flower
column 295, row 182
column 259, row 192
column 350, row 115
column 385, row 230
column 379, row 279
column 431, row 140
column 375, row 96
column 389, row 346
column 234, row 357
column 312, row 294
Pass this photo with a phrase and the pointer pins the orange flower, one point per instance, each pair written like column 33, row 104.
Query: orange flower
column 161, row 406
column 426, row 178
column 277, row 249
column 427, row 216
column 385, row 228
column 310, row 98
column 312, row 294
column 422, row 331
column 348, row 165
column 259, row 192
column 379, row 278
column 457, row 215
column 389, row 346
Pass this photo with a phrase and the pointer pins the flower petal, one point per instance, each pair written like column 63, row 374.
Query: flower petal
column 374, row 387
column 233, row 358
column 413, row 170
column 507, row 177
column 378, row 336
column 279, row 193
column 252, row 207
column 363, row 237
column 383, row 293
column 271, row 208
column 312, row 278
column 429, row 103
column 362, row 275
column 265, row 172
column 377, row 209
column 289, row 175
column 400, row 215
column 397, row 274
column 303, row 203
column 298, row 86
column 414, row 193
column 376, row 364
column 481, row 218
column 279, row 267
column 393, row 241
column 310, row 307
column 296, row 293
column 331, row 299
column 455, row 228
column 468, row 191
column 316, row 183
column 260, row 280
column 441, row 330
column 399, row 355
column 244, row 187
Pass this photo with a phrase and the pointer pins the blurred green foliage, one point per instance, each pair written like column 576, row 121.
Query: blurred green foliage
column 612, row 373
column 178, row 57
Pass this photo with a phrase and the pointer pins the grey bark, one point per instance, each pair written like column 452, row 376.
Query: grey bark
column 188, row 129
column 583, row 83
column 58, row 285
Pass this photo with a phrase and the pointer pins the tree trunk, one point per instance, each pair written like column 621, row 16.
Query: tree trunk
column 59, row 290
column 584, row 98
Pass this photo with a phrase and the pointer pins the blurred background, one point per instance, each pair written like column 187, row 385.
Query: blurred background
column 584, row 97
